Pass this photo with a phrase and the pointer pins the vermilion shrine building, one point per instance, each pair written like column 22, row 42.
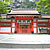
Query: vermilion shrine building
column 25, row 21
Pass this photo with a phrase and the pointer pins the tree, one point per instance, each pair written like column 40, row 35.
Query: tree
column 8, row 2
column 27, row 4
column 43, row 6
column 4, row 7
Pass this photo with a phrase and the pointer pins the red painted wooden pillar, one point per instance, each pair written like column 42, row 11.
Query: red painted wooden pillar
column 11, row 25
column 32, row 25
column 48, row 26
column 19, row 30
column 19, row 27
column 15, row 23
column 0, row 25
column 37, row 26
column 29, row 28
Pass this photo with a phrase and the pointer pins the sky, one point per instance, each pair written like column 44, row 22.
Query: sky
column 32, row 0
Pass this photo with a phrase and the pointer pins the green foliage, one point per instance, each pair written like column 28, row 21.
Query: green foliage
column 43, row 6
column 4, row 7
column 8, row 1
column 2, row 19
column 27, row 4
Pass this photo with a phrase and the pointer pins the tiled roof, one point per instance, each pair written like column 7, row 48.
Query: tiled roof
column 24, row 11
column 45, row 16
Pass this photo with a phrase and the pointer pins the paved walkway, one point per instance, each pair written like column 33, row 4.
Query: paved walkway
column 25, row 38
column 22, row 49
